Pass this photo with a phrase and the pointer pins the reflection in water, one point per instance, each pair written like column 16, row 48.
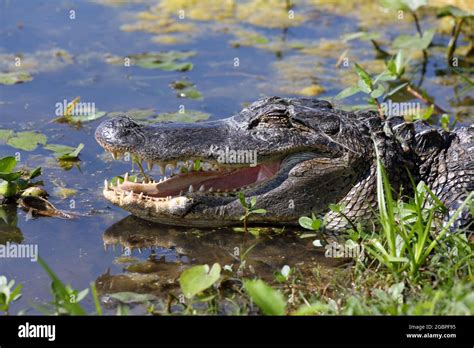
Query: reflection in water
column 9, row 232
column 172, row 249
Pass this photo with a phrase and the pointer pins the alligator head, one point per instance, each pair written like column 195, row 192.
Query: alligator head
column 295, row 156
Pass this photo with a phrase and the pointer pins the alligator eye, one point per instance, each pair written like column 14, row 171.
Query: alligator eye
column 330, row 125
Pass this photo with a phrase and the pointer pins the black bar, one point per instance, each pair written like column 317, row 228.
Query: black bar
column 139, row 330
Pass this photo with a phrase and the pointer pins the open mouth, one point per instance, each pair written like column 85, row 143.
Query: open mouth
column 195, row 177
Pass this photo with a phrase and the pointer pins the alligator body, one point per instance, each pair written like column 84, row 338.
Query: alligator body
column 296, row 156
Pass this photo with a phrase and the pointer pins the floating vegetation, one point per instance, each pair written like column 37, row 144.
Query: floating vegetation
column 245, row 37
column 27, row 141
column 168, row 61
column 12, row 78
column 186, row 89
column 269, row 14
column 64, row 152
column 36, row 62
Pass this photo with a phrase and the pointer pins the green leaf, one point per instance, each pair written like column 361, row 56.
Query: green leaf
column 10, row 176
column 191, row 93
column 316, row 224
column 253, row 201
column 404, row 5
column 7, row 164
column 395, row 90
column 270, row 301
column 348, row 92
column 74, row 154
column 35, row 173
column 453, row 11
column 364, row 76
column 400, row 63
column 414, row 42
column 427, row 114
column 306, row 222
column 168, row 61
column 27, row 141
column 335, row 207
column 363, row 86
column 8, row 188
column 58, row 149
column 259, row 211
column 242, row 200
column 385, row 76
column 64, row 152
column 378, row 91
column 198, row 278
column 12, row 78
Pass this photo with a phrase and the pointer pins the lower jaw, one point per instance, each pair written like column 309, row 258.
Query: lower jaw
column 166, row 211
column 221, row 183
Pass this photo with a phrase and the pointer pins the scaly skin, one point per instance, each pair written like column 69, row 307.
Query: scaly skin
column 323, row 156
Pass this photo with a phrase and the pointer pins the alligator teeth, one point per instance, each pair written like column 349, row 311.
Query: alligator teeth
column 106, row 184
column 149, row 165
column 125, row 177
column 140, row 196
column 191, row 165
column 201, row 189
column 162, row 169
column 191, row 189
column 130, row 194
column 115, row 155
column 172, row 167
column 211, row 189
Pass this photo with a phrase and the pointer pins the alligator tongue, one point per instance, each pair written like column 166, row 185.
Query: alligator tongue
column 221, row 180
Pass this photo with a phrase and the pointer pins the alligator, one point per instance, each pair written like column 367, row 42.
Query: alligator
column 296, row 156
